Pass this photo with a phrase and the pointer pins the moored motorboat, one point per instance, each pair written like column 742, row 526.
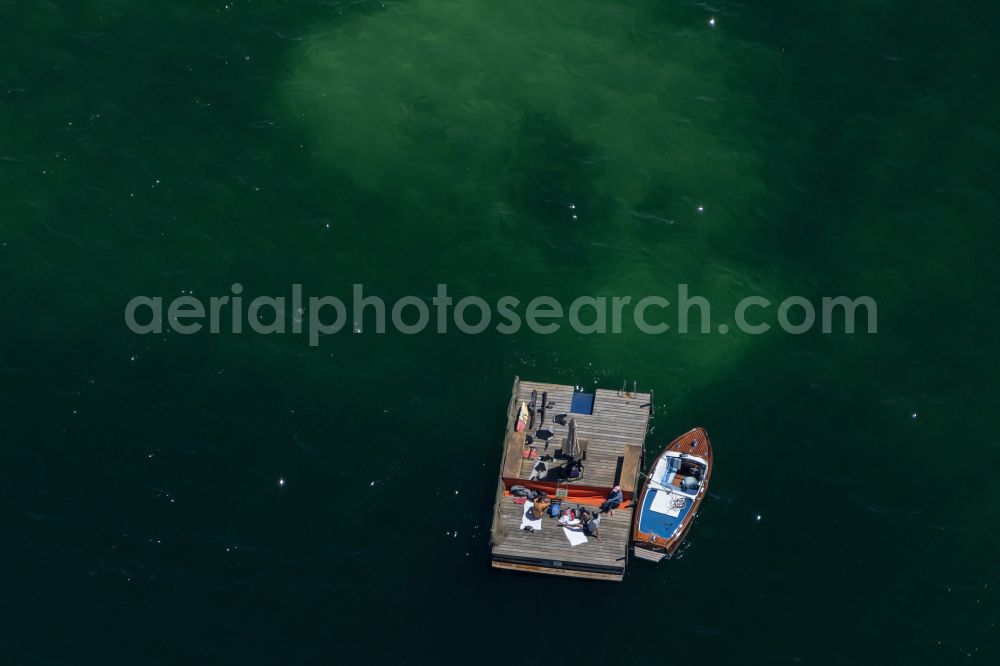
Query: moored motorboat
column 671, row 496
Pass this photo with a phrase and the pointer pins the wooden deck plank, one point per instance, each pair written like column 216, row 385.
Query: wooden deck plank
column 617, row 577
column 630, row 468
column 512, row 456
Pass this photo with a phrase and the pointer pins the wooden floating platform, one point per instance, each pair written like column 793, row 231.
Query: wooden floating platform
column 614, row 435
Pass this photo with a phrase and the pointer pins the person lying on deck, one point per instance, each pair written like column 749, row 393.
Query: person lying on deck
column 591, row 523
column 568, row 518
column 614, row 501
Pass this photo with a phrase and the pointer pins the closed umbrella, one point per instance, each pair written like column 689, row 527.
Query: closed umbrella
column 572, row 448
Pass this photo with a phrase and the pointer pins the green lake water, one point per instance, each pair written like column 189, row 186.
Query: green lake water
column 242, row 498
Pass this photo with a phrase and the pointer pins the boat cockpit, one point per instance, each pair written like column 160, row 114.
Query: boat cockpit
column 679, row 472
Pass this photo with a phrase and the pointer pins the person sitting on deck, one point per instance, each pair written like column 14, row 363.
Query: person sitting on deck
column 614, row 501
column 591, row 523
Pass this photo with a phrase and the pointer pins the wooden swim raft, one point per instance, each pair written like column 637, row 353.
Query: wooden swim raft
column 613, row 435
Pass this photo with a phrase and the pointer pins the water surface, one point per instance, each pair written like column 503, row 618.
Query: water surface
column 835, row 148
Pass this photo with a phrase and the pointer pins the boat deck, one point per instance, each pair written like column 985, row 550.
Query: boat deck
column 663, row 524
column 614, row 435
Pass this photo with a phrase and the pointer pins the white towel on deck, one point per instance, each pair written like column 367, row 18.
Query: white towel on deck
column 528, row 519
column 576, row 537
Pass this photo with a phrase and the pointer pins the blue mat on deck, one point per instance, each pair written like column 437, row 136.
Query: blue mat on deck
column 583, row 403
